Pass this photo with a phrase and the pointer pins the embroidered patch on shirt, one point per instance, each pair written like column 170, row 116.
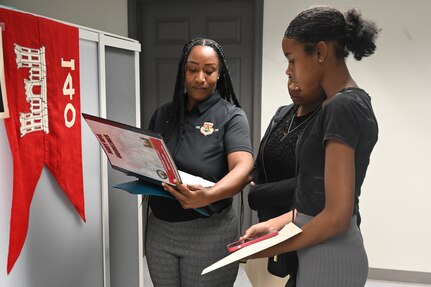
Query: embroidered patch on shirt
column 207, row 128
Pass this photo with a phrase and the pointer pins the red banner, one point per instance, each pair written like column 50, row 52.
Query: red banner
column 41, row 61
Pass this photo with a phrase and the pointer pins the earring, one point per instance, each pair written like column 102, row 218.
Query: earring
column 320, row 61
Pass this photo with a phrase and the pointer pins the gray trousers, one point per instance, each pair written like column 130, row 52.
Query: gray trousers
column 177, row 252
column 340, row 261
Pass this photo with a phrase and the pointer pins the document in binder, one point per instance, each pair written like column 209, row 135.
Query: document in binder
column 142, row 154
column 285, row 233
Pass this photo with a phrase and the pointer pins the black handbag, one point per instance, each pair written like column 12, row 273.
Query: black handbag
column 283, row 264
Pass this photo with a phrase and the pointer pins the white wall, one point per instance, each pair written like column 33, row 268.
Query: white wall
column 396, row 195
column 104, row 15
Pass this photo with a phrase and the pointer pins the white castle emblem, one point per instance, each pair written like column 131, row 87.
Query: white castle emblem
column 35, row 89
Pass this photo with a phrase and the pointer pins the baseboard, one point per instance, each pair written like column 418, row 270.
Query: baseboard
column 399, row 276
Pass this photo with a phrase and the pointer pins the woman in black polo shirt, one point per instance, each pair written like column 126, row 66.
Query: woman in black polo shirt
column 208, row 135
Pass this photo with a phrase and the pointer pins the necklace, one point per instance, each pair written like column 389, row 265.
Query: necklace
column 289, row 130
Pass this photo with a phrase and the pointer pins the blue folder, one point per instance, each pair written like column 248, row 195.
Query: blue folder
column 140, row 187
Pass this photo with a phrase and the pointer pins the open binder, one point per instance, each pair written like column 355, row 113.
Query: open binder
column 142, row 154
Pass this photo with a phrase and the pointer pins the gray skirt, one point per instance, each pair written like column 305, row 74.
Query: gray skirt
column 340, row 261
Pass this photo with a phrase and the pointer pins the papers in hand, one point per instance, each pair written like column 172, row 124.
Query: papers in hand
column 285, row 233
column 188, row 178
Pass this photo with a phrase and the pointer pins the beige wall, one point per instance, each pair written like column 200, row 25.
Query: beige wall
column 104, row 15
column 395, row 204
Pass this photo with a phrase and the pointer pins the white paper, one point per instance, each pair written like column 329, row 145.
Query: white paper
column 188, row 178
column 285, row 233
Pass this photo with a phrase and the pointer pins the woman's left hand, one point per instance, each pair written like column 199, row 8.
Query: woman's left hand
column 189, row 195
column 258, row 230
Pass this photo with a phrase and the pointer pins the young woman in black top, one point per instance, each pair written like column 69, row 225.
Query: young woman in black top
column 333, row 152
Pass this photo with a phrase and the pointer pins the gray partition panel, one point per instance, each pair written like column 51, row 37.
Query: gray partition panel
column 123, row 207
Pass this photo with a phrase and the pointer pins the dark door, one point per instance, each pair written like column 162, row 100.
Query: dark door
column 165, row 26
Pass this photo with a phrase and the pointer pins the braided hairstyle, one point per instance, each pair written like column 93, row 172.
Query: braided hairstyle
column 224, row 87
column 350, row 31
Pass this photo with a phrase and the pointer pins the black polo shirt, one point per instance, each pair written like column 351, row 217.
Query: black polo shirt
column 212, row 130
